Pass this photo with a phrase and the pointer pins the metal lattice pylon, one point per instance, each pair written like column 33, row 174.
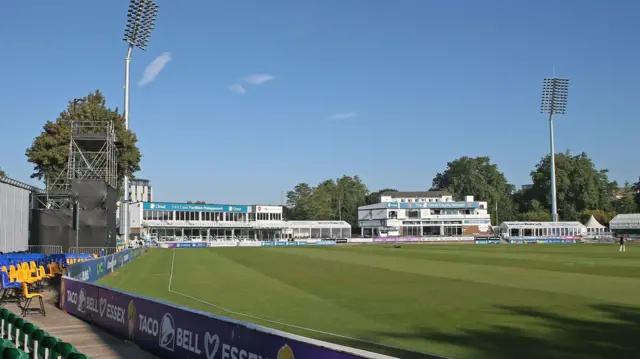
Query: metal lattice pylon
column 92, row 152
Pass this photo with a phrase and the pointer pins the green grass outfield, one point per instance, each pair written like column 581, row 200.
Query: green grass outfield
column 461, row 301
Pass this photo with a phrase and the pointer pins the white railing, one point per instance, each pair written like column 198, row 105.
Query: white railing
column 213, row 224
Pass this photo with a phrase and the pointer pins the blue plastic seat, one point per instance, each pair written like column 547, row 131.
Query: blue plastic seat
column 10, row 290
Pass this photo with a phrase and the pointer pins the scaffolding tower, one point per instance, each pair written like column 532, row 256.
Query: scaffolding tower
column 92, row 152
column 92, row 156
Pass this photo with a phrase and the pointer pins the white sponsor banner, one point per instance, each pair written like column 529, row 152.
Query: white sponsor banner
column 223, row 244
column 446, row 239
column 360, row 240
column 250, row 244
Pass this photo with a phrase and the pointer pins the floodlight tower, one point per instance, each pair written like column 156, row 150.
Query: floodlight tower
column 141, row 19
column 554, row 102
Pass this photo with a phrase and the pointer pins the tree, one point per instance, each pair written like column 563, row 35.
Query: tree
column 626, row 200
column 374, row 197
column 480, row 178
column 329, row 200
column 351, row 194
column 534, row 216
column 49, row 152
column 601, row 216
column 299, row 201
column 579, row 185
column 2, row 174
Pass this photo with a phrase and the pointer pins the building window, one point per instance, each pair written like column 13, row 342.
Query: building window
column 414, row 214
column 393, row 214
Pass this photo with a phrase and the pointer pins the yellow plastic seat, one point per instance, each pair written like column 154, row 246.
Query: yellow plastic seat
column 13, row 274
column 28, row 298
column 25, row 276
column 43, row 274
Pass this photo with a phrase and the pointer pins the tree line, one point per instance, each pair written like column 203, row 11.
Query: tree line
column 582, row 191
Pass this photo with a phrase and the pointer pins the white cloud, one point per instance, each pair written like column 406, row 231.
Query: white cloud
column 154, row 68
column 258, row 79
column 343, row 115
column 238, row 88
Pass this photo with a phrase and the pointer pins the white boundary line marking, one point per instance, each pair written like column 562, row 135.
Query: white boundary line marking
column 173, row 258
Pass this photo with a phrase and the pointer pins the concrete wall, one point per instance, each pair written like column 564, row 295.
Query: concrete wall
column 14, row 216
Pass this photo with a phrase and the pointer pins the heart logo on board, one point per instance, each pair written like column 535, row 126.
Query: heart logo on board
column 211, row 345
column 103, row 306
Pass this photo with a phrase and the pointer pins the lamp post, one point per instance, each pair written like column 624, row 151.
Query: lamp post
column 554, row 102
column 76, row 203
column 141, row 19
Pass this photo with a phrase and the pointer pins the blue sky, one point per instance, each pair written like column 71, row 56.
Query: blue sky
column 411, row 85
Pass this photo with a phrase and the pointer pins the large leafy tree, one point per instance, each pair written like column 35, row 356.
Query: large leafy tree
column 351, row 194
column 626, row 200
column 299, row 202
column 478, row 177
column 329, row 200
column 579, row 185
column 49, row 152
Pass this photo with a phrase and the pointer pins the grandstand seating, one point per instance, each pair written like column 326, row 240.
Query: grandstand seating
column 22, row 278
column 24, row 275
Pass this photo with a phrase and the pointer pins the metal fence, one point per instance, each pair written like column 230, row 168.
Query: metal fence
column 101, row 251
column 45, row 249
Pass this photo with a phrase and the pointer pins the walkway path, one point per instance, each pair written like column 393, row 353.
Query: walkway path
column 88, row 339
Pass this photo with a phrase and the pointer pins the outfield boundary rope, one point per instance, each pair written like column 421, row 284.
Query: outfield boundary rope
column 173, row 258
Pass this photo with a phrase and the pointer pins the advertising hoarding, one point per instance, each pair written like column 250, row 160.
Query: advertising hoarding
column 171, row 331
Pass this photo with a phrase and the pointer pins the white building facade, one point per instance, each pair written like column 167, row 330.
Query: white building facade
column 424, row 214
column 542, row 232
column 188, row 222
column 140, row 190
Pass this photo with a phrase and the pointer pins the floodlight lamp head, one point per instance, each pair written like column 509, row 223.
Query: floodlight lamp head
column 140, row 22
column 554, row 96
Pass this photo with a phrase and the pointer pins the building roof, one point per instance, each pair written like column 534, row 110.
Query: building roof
column 21, row 185
column 424, row 194
column 516, row 225
column 318, row 224
column 593, row 223
column 625, row 221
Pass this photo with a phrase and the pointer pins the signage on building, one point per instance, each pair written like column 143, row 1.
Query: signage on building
column 434, row 205
column 268, row 209
column 189, row 207
column 476, row 221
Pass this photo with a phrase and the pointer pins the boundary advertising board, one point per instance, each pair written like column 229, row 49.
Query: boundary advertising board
column 542, row 241
column 171, row 331
column 246, row 244
column 487, row 241
column 420, row 239
column 95, row 269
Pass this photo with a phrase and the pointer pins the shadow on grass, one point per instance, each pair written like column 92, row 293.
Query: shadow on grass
column 617, row 337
